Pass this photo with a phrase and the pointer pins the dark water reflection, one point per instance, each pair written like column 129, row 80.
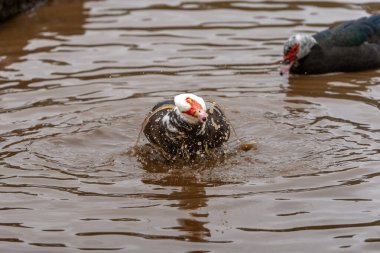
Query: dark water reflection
column 75, row 87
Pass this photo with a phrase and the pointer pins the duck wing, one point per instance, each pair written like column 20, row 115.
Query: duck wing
column 217, row 127
column 154, row 127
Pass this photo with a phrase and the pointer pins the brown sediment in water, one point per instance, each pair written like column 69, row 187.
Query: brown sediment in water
column 246, row 146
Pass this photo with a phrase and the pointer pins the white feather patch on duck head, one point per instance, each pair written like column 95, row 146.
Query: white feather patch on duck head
column 191, row 107
column 296, row 47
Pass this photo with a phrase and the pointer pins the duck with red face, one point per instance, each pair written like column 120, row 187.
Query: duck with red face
column 185, row 128
column 295, row 49
column 189, row 108
column 351, row 46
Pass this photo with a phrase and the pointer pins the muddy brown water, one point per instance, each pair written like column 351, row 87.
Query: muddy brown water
column 77, row 79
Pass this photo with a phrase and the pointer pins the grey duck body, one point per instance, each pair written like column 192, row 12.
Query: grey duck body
column 351, row 46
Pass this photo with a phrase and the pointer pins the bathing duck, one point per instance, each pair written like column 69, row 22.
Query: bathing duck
column 351, row 46
column 185, row 128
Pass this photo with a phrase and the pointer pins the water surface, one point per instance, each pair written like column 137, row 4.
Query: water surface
column 75, row 87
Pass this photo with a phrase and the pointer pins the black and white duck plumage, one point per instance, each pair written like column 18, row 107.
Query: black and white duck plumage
column 185, row 128
column 351, row 46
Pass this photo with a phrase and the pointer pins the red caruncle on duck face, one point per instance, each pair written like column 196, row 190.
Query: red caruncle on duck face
column 290, row 55
column 196, row 110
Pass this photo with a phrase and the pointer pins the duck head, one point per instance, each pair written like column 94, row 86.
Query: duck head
column 296, row 47
column 191, row 107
